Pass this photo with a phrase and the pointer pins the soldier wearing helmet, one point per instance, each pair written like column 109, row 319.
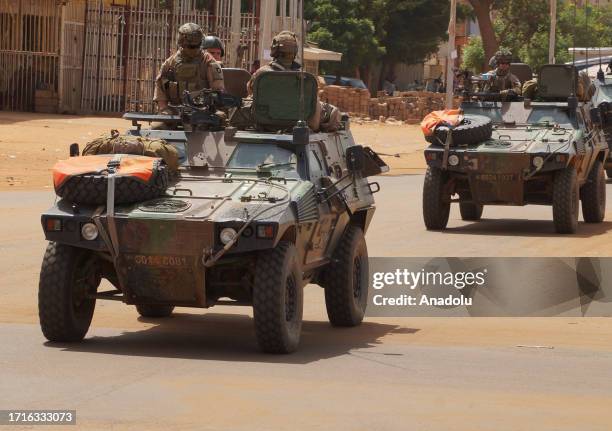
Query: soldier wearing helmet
column 503, row 82
column 214, row 46
column 190, row 68
column 283, row 51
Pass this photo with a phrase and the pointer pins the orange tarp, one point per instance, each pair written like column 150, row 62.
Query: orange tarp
column 449, row 117
column 140, row 167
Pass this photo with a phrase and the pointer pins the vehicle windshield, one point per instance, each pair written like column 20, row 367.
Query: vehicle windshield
column 538, row 115
column 262, row 157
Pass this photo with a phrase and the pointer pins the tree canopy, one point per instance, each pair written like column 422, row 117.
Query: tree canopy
column 368, row 32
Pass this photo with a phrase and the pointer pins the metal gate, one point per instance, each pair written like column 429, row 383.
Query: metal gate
column 29, row 55
column 125, row 47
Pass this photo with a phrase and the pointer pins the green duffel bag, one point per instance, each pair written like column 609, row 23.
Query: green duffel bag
column 116, row 143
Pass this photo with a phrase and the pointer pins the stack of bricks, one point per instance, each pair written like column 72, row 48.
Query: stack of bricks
column 355, row 101
column 409, row 106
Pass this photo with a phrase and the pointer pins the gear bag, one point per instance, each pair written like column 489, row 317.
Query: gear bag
column 114, row 143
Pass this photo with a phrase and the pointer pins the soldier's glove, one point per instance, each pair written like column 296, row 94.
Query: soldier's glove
column 166, row 111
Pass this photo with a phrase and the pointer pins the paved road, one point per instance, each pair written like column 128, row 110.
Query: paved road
column 199, row 369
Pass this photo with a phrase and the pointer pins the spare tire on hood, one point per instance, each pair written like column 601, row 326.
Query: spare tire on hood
column 84, row 180
column 473, row 129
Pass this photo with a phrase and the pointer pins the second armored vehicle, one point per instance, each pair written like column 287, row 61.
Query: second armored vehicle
column 545, row 152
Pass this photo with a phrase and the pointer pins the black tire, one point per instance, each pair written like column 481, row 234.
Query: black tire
column 593, row 195
column 436, row 199
column 346, row 280
column 154, row 310
column 91, row 189
column 278, row 299
column 565, row 200
column 470, row 211
column 67, row 275
column 472, row 130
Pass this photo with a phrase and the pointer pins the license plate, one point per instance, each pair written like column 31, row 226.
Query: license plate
column 165, row 261
column 496, row 177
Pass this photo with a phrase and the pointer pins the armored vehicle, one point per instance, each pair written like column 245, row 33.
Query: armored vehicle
column 549, row 151
column 603, row 100
column 252, row 217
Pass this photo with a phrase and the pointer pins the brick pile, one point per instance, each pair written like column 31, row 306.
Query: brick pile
column 409, row 106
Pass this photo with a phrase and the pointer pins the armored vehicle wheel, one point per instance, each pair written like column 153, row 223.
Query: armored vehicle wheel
column 472, row 130
column 565, row 200
column 278, row 299
column 470, row 211
column 67, row 276
column 436, row 199
column 150, row 310
column 593, row 195
column 346, row 280
column 609, row 173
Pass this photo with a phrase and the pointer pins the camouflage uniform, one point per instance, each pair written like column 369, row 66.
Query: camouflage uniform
column 284, row 50
column 190, row 68
column 503, row 81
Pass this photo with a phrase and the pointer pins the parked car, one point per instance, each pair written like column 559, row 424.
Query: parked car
column 344, row 81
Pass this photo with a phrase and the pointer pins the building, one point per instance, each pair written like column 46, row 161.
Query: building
column 85, row 56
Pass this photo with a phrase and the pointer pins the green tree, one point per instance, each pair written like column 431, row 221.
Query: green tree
column 412, row 30
column 345, row 26
column 474, row 55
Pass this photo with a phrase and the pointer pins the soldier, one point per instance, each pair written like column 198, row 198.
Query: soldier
column 214, row 46
column 283, row 50
column 503, row 82
column 190, row 68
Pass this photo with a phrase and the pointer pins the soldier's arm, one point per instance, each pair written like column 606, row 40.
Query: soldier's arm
column 516, row 85
column 215, row 76
column 159, row 95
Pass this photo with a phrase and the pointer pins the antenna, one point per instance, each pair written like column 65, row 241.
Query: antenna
column 586, row 32
column 302, row 40
column 574, row 78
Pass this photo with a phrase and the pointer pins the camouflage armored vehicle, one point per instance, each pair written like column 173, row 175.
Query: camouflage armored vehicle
column 252, row 217
column 549, row 151
column 603, row 100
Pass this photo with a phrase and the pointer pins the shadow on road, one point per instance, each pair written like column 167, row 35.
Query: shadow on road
column 528, row 228
column 230, row 337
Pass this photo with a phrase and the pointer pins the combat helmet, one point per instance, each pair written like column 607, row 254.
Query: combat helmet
column 190, row 35
column 284, row 44
column 213, row 42
column 504, row 55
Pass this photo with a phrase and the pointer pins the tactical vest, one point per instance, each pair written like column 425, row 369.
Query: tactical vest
column 187, row 76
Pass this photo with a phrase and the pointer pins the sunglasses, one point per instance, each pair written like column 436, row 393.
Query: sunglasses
column 193, row 46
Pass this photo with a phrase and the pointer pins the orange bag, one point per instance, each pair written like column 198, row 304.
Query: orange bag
column 448, row 117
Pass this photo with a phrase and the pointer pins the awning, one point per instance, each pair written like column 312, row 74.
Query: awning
column 318, row 54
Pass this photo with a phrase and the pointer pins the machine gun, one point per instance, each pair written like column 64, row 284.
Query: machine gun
column 203, row 109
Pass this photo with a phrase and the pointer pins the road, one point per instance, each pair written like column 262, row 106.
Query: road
column 200, row 369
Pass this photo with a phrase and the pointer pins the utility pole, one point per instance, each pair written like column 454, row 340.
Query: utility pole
column 553, row 31
column 450, row 60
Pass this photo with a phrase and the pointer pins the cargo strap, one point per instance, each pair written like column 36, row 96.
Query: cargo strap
column 447, row 145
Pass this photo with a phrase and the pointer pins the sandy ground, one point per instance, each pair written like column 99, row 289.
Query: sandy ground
column 200, row 369
column 30, row 144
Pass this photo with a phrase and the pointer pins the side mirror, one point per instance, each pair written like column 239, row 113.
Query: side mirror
column 74, row 150
column 355, row 158
column 596, row 116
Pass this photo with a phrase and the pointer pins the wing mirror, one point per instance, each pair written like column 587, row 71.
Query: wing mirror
column 355, row 159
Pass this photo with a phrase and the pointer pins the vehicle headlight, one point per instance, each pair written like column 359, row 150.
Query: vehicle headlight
column 538, row 161
column 227, row 235
column 453, row 160
column 89, row 231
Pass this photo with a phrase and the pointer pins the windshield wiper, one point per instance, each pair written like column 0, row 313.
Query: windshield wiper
column 273, row 165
